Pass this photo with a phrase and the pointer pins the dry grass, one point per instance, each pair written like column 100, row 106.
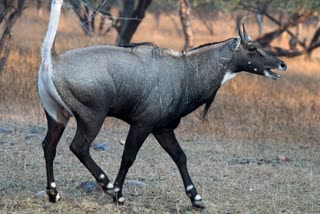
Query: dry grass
column 232, row 156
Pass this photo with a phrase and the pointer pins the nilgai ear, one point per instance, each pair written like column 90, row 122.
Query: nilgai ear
column 236, row 43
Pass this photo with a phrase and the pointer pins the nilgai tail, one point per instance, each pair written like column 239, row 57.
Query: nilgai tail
column 148, row 87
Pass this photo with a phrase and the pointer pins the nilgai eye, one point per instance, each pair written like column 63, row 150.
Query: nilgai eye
column 252, row 48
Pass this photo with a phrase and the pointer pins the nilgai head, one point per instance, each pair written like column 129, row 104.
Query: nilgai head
column 251, row 57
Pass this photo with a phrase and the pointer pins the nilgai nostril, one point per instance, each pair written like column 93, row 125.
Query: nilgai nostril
column 283, row 65
column 148, row 87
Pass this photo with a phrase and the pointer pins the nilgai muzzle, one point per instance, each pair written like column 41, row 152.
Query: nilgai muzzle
column 148, row 87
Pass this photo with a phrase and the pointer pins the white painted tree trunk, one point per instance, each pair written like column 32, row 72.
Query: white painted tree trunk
column 184, row 12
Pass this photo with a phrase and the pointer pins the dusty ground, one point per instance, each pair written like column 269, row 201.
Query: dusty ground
column 258, row 151
column 232, row 176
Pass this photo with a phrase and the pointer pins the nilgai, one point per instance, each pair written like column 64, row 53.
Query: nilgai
column 148, row 87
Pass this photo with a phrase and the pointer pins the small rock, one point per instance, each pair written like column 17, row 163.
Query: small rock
column 283, row 158
column 100, row 146
column 31, row 136
column 36, row 129
column 244, row 161
column 6, row 130
column 88, row 186
column 135, row 182
column 122, row 142
column 40, row 194
column 275, row 162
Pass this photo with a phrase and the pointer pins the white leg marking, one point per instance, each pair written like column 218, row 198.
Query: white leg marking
column 110, row 186
column 190, row 187
column 121, row 199
column 58, row 197
column 53, row 185
column 197, row 198
column 116, row 189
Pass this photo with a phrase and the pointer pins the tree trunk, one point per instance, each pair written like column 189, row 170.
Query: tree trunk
column 9, row 14
column 122, row 22
column 184, row 12
column 133, row 17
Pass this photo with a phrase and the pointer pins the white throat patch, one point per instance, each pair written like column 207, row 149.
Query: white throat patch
column 229, row 75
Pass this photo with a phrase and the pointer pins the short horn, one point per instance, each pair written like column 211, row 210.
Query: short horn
column 239, row 31
column 245, row 35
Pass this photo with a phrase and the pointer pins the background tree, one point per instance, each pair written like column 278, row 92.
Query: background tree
column 286, row 15
column 10, row 10
column 87, row 10
column 184, row 13
column 299, row 12
column 130, row 17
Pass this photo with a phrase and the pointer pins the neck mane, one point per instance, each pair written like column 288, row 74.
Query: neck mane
column 207, row 46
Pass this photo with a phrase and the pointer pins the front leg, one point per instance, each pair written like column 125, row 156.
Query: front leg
column 135, row 139
column 170, row 144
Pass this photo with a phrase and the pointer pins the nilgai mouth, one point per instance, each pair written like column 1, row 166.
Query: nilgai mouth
column 268, row 73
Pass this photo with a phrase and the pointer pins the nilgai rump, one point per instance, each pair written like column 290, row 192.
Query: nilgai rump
column 148, row 87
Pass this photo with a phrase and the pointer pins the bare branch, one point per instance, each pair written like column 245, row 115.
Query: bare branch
column 295, row 19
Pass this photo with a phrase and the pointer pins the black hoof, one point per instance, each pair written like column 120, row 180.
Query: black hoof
column 198, row 204
column 54, row 196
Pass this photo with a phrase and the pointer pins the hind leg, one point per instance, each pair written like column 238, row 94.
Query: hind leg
column 49, row 145
column 86, row 132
